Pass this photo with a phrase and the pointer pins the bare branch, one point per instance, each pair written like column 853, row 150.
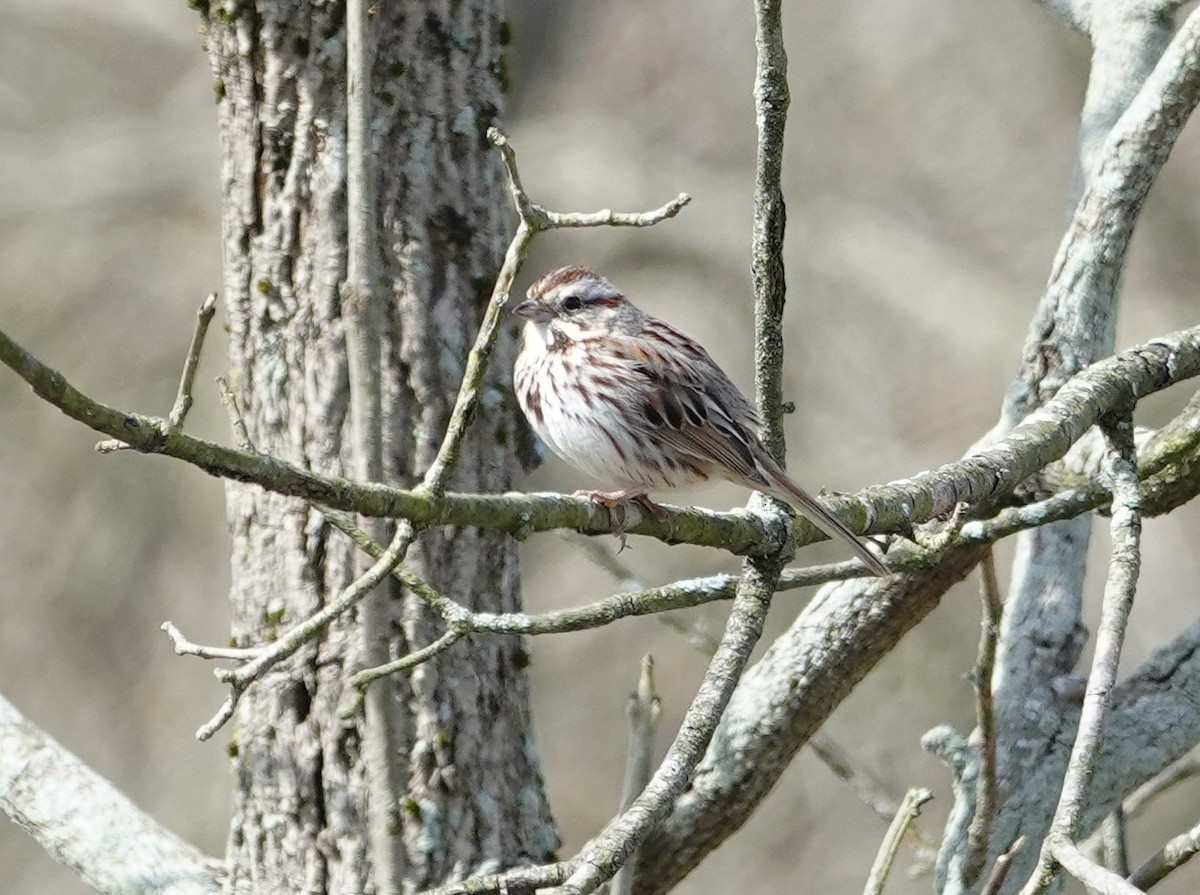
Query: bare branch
column 988, row 476
column 1113, row 847
column 185, row 647
column 985, row 721
column 1177, row 773
column 909, row 810
column 82, row 821
column 771, row 99
column 183, row 398
column 363, row 679
column 644, row 710
column 1098, row 879
column 1119, row 591
column 1177, row 852
column 241, row 436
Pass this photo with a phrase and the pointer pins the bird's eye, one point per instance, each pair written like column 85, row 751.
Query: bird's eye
column 572, row 303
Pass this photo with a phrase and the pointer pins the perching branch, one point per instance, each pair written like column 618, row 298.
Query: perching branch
column 988, row 476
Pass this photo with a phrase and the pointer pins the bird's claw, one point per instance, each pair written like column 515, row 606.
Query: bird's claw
column 612, row 500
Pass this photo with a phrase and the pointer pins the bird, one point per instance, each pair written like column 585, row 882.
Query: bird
column 630, row 399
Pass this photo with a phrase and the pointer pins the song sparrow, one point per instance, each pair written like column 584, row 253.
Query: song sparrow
column 626, row 397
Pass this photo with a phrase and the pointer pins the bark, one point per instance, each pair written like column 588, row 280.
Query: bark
column 472, row 795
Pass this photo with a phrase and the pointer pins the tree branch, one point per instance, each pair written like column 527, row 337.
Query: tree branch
column 82, row 821
column 644, row 710
column 986, row 477
column 909, row 810
column 183, row 397
column 1119, row 590
column 1042, row 633
column 985, row 721
column 1177, row 852
column 363, row 318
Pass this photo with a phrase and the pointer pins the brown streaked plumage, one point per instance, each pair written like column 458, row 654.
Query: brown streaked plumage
column 628, row 398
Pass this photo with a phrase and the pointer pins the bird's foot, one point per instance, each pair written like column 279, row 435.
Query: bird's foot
column 610, row 500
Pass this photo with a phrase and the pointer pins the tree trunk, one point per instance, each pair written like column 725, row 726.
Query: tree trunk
column 473, row 795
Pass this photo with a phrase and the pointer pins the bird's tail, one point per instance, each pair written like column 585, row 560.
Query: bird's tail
column 791, row 493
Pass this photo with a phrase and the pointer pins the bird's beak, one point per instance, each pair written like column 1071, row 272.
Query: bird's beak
column 533, row 310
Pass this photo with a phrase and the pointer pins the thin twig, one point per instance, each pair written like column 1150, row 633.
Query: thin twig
column 1178, row 773
column 1000, row 869
column 1113, row 847
column 771, row 100
column 1098, row 879
column 862, row 782
column 909, row 810
column 979, row 832
column 644, row 710
column 1177, row 852
column 183, row 398
column 241, row 436
column 1119, row 591
column 185, row 647
column 361, row 680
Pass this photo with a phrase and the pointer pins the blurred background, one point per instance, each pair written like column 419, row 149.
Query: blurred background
column 930, row 149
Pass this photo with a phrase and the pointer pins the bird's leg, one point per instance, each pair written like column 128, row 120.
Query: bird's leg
column 658, row 511
column 613, row 499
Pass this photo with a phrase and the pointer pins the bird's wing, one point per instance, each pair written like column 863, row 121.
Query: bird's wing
column 689, row 403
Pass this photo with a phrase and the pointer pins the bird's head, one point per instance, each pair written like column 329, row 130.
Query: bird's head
column 573, row 303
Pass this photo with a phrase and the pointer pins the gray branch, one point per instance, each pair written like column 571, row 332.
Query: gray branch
column 1061, row 844
column 81, row 820
column 849, row 627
